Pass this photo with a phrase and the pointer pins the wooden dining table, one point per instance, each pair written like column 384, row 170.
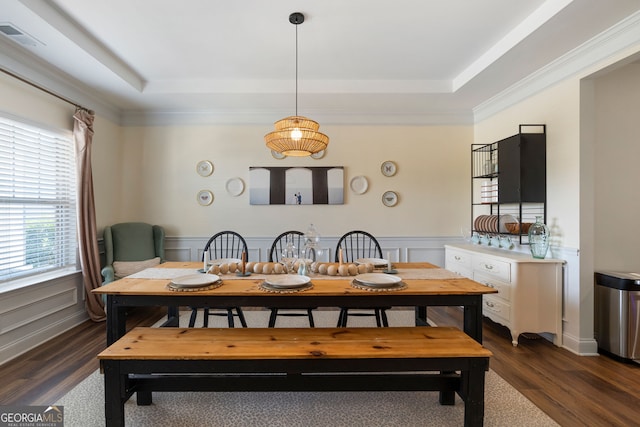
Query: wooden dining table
column 426, row 285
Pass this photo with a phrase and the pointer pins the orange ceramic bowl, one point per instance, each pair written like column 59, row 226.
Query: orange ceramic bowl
column 514, row 227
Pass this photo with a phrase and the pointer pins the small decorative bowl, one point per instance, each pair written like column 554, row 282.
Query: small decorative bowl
column 516, row 228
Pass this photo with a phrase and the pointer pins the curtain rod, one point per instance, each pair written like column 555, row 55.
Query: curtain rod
column 30, row 83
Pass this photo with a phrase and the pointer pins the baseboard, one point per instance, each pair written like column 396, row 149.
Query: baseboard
column 581, row 347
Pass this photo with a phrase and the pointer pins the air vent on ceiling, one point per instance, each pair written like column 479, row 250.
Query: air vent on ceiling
column 17, row 35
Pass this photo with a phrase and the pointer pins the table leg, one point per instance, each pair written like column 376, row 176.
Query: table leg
column 173, row 317
column 116, row 320
column 473, row 319
column 421, row 316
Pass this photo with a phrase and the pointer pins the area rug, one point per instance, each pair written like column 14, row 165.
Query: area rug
column 504, row 405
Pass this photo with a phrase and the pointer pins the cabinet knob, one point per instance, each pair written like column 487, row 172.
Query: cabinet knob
column 488, row 266
column 489, row 304
column 457, row 258
column 489, row 285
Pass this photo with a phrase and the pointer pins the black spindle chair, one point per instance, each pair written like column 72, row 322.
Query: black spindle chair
column 354, row 245
column 275, row 254
column 225, row 244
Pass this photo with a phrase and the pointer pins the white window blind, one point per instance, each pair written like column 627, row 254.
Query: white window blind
column 37, row 201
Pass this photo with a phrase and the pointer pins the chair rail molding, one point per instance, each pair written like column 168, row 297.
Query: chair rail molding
column 400, row 248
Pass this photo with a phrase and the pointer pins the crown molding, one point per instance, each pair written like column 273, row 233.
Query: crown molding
column 157, row 118
column 34, row 70
column 606, row 45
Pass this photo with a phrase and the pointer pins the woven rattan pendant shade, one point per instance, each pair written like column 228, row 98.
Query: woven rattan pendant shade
column 296, row 135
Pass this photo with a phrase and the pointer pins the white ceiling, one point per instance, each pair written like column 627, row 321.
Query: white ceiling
column 359, row 60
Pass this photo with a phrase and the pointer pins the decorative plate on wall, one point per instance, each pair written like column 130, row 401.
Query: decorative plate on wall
column 235, row 186
column 320, row 154
column 277, row 155
column 205, row 197
column 204, row 168
column 390, row 198
column 388, row 168
column 359, row 184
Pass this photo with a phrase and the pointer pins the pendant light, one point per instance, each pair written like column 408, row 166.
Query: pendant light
column 296, row 135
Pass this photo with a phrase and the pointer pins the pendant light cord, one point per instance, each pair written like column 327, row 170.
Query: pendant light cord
column 296, row 70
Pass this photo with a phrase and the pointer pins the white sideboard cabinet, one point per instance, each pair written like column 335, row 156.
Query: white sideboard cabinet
column 529, row 297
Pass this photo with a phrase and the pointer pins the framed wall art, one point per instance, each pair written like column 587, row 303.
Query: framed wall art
column 312, row 185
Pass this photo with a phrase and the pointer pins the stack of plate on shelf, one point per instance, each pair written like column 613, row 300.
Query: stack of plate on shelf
column 492, row 223
column 489, row 192
column 377, row 280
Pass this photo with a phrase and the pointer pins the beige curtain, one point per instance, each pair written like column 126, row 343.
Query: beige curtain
column 87, row 230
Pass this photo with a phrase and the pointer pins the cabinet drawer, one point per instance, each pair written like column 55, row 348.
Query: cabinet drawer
column 504, row 289
column 492, row 307
column 458, row 259
column 498, row 269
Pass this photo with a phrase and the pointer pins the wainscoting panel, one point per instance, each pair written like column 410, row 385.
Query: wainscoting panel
column 400, row 249
column 44, row 305
column 178, row 253
column 37, row 313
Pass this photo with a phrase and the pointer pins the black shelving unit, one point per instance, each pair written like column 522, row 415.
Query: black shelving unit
column 509, row 179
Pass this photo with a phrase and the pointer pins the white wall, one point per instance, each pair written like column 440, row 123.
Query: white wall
column 617, row 169
column 108, row 180
column 160, row 182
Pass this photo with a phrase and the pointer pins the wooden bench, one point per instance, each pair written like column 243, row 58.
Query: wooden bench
column 313, row 359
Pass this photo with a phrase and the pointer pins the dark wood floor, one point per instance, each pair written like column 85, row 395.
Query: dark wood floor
column 573, row 390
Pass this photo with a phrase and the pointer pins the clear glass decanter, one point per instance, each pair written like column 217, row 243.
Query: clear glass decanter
column 539, row 239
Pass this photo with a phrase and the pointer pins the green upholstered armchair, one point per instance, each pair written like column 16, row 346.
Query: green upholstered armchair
column 131, row 247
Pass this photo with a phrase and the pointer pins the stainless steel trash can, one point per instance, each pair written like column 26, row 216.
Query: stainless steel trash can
column 617, row 314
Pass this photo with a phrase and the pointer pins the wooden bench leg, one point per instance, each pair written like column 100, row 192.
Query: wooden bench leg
column 114, row 386
column 473, row 392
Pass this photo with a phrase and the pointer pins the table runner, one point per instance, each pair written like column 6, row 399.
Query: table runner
column 404, row 273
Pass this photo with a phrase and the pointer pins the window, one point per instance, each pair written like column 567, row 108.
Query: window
column 37, row 201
